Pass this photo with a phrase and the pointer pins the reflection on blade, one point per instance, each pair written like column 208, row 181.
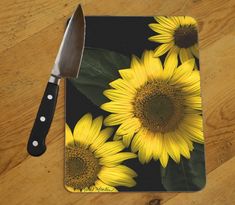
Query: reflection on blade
column 68, row 60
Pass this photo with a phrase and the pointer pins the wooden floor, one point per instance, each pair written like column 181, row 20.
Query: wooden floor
column 30, row 33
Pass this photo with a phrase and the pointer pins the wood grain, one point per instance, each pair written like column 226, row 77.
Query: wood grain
column 30, row 33
column 219, row 190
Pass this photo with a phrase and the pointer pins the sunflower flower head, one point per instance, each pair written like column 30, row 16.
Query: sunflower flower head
column 157, row 109
column 91, row 163
column 177, row 36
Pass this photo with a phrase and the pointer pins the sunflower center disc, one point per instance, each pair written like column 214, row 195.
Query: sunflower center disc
column 81, row 167
column 185, row 36
column 158, row 106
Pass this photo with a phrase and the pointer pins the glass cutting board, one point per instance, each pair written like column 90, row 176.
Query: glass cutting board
column 134, row 114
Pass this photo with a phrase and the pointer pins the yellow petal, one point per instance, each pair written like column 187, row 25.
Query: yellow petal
column 90, row 189
column 187, row 66
column 118, row 95
column 141, row 153
column 184, row 148
column 135, row 63
column 116, row 159
column 164, row 156
column 126, row 74
column 194, row 78
column 175, row 19
column 194, row 102
column 138, row 140
column 190, row 20
column 117, row 176
column 123, row 85
column 183, row 21
column 116, row 119
column 193, row 90
column 152, row 65
column 117, row 137
column 95, row 129
column 102, row 187
column 166, row 22
column 170, row 64
column 102, row 138
column 145, row 151
column 121, row 169
column 109, row 148
column 191, row 80
column 162, row 38
column 160, row 29
column 117, row 107
column 194, row 50
column 162, row 49
column 149, row 146
column 157, row 145
column 189, row 54
column 130, row 125
column 188, row 110
column 81, row 130
column 184, row 136
column 185, row 54
column 183, row 72
column 127, row 139
column 193, row 120
column 194, row 134
column 69, row 141
column 172, row 147
column 138, row 69
column 71, row 189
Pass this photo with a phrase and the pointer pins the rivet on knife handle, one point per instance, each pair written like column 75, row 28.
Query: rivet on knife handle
column 36, row 144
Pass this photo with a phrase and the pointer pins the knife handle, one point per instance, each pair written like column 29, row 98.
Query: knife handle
column 36, row 144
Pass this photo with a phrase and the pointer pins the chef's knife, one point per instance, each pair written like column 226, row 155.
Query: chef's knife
column 67, row 64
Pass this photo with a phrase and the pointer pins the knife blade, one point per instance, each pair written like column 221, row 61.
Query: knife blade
column 67, row 64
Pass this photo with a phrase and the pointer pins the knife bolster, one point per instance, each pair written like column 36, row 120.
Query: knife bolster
column 54, row 79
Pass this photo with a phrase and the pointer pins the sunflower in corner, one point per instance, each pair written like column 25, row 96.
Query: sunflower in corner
column 158, row 109
column 178, row 35
column 91, row 163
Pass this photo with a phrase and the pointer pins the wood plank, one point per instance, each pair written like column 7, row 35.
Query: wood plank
column 218, row 92
column 220, row 188
column 27, row 68
column 21, row 19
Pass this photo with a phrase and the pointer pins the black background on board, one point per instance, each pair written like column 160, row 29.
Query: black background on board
column 126, row 35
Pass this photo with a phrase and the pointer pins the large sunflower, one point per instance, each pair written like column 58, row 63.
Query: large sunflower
column 91, row 163
column 159, row 108
column 178, row 35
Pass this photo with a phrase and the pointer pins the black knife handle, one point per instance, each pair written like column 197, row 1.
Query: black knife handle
column 36, row 144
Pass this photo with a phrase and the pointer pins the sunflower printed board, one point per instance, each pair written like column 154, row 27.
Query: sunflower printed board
column 134, row 114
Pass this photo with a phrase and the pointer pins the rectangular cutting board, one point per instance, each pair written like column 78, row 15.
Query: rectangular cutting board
column 134, row 114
